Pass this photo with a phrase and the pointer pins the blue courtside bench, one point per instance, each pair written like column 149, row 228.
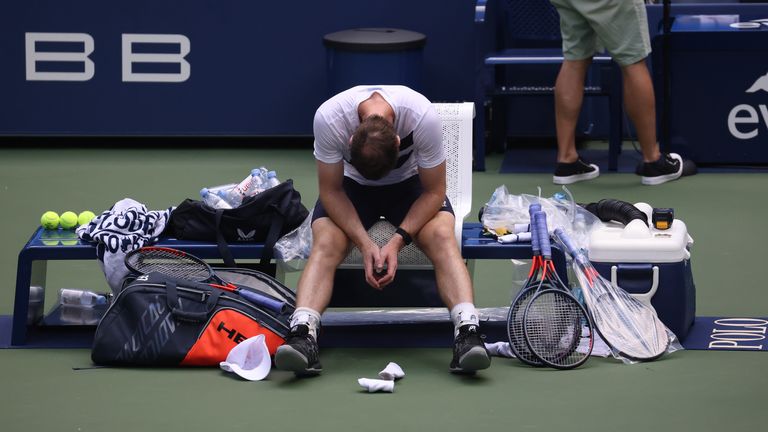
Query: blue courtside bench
column 60, row 245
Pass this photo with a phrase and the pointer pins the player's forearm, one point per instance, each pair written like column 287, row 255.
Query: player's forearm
column 422, row 211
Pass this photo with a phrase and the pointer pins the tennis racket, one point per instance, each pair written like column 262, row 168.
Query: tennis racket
column 628, row 325
column 556, row 326
column 517, row 308
column 181, row 265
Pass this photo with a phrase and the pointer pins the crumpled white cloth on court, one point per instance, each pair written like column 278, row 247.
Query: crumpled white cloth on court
column 388, row 375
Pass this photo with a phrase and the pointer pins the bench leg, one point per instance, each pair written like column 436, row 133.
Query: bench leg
column 28, row 273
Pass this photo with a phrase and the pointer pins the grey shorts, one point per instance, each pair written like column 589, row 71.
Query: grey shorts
column 618, row 26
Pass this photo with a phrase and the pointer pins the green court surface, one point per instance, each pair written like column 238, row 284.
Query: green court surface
column 45, row 389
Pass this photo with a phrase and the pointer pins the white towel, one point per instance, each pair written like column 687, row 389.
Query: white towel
column 128, row 225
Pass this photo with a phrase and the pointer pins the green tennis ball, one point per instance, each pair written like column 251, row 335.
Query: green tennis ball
column 50, row 220
column 85, row 217
column 68, row 220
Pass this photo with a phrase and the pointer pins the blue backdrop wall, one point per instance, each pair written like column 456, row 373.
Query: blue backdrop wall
column 226, row 67
column 252, row 67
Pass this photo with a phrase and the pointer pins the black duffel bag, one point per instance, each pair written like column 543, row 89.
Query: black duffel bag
column 262, row 218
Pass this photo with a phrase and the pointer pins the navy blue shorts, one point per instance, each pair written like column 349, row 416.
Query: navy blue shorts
column 391, row 202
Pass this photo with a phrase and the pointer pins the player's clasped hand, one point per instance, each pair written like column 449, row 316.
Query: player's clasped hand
column 386, row 273
column 380, row 265
column 372, row 262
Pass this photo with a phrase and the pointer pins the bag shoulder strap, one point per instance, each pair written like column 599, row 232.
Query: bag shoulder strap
column 275, row 228
column 221, row 242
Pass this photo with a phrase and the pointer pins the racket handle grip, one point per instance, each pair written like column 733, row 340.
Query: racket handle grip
column 261, row 300
column 567, row 242
column 532, row 209
column 569, row 245
column 541, row 232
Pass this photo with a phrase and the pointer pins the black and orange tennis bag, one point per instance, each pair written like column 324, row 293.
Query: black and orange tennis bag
column 159, row 321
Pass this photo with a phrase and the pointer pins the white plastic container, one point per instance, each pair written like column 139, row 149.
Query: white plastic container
column 653, row 265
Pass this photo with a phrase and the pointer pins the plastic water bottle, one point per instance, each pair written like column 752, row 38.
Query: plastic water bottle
column 212, row 200
column 219, row 191
column 78, row 315
column 36, row 300
column 560, row 197
column 272, row 180
column 258, row 182
column 235, row 195
column 73, row 297
column 224, row 187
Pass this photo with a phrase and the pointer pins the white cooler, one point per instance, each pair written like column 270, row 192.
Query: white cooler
column 653, row 265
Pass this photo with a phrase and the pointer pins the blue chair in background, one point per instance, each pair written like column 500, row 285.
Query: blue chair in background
column 519, row 53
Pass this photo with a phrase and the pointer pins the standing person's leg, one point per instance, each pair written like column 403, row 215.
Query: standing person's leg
column 640, row 103
column 579, row 45
column 569, row 95
column 622, row 27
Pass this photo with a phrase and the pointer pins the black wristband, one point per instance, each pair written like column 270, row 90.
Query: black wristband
column 407, row 239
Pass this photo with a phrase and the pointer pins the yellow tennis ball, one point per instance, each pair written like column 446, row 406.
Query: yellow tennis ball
column 50, row 220
column 85, row 217
column 68, row 220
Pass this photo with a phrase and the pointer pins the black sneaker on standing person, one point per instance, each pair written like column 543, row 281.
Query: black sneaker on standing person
column 669, row 167
column 567, row 173
column 469, row 353
column 300, row 353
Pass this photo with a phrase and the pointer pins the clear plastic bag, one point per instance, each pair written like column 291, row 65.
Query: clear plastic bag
column 292, row 249
column 504, row 210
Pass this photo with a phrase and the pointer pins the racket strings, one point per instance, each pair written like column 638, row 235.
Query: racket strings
column 169, row 264
column 627, row 324
column 515, row 331
column 555, row 329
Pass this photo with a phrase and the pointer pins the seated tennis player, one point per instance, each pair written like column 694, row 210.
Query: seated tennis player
column 379, row 153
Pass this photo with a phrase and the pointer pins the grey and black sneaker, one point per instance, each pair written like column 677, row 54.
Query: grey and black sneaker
column 469, row 353
column 669, row 167
column 567, row 173
column 300, row 353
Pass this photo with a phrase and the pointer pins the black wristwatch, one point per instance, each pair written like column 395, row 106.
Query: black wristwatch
column 407, row 239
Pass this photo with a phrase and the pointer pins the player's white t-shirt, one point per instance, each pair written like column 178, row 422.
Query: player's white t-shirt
column 416, row 123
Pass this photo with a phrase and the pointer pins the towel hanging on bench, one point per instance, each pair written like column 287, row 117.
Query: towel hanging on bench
column 128, row 225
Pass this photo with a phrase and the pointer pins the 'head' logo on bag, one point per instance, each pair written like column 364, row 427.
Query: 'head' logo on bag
column 233, row 334
column 245, row 236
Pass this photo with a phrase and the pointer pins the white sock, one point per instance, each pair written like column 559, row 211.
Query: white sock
column 308, row 317
column 462, row 314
